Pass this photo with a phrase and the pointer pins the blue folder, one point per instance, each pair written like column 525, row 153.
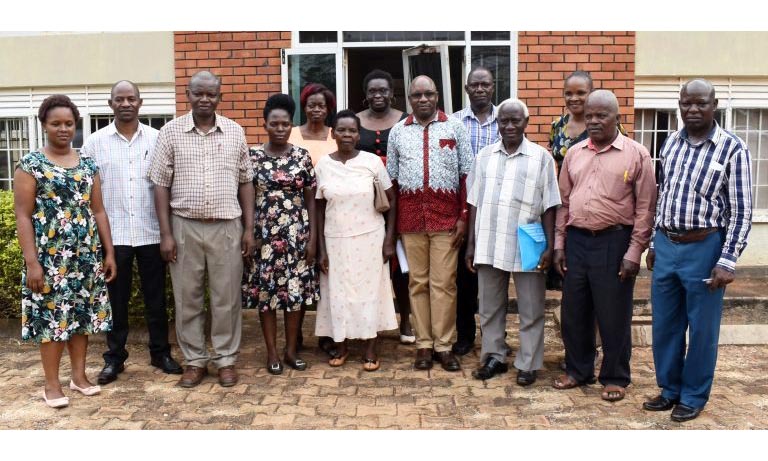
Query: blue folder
column 532, row 242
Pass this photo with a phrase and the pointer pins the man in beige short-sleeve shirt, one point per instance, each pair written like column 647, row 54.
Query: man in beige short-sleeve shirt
column 205, row 203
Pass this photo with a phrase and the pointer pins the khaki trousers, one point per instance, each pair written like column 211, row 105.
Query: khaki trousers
column 432, row 288
column 216, row 247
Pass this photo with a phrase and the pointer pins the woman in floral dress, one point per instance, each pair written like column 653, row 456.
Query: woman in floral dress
column 281, row 275
column 62, row 228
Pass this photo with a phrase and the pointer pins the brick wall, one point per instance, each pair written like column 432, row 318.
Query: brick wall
column 248, row 64
column 546, row 58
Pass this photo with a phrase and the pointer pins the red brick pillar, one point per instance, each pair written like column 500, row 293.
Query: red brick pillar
column 546, row 58
column 248, row 64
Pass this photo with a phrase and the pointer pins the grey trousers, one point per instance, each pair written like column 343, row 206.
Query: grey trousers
column 493, row 289
column 216, row 247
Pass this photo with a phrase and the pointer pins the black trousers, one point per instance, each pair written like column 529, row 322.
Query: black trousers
column 466, row 302
column 152, row 274
column 592, row 290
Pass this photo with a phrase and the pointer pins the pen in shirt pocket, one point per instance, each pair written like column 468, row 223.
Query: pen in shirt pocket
column 145, row 154
column 626, row 175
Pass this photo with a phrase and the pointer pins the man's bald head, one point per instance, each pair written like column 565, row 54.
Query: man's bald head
column 604, row 97
column 601, row 112
column 423, row 97
column 698, row 85
column 204, row 76
column 125, row 83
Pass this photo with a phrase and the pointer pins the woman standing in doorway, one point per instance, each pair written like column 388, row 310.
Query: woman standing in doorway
column 375, row 123
column 317, row 102
column 63, row 229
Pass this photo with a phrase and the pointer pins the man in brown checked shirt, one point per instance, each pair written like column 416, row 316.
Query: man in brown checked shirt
column 608, row 191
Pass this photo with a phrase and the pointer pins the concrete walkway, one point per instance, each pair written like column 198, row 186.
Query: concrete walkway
column 395, row 397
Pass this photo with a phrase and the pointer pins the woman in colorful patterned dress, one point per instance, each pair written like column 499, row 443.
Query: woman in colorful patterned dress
column 62, row 228
column 354, row 245
column 281, row 275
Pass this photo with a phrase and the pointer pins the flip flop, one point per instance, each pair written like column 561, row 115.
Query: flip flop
column 565, row 382
column 613, row 393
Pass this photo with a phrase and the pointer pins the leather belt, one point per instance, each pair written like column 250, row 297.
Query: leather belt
column 595, row 233
column 210, row 220
column 688, row 236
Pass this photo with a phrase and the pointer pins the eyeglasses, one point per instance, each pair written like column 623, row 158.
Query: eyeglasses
column 426, row 94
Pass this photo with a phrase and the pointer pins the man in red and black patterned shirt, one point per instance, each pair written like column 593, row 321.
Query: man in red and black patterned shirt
column 428, row 158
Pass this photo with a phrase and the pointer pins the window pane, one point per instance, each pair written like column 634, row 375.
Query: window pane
column 739, row 119
column 310, row 68
column 14, row 142
column 762, row 197
column 485, row 35
column 329, row 36
column 409, row 36
column 496, row 59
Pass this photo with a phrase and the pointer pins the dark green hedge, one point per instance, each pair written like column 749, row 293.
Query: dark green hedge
column 11, row 262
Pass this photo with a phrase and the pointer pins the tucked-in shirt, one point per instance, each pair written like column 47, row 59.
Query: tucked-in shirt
column 430, row 164
column 509, row 189
column 708, row 184
column 481, row 134
column 202, row 170
column 317, row 148
column 125, row 188
column 348, row 191
column 602, row 189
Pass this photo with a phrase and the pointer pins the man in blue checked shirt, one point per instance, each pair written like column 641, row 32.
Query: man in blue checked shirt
column 704, row 215
column 480, row 121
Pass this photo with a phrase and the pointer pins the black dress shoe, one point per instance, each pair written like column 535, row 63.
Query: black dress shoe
column 491, row 368
column 462, row 347
column 423, row 359
column 447, row 360
column 167, row 364
column 683, row 413
column 109, row 373
column 660, row 403
column 275, row 368
column 526, row 378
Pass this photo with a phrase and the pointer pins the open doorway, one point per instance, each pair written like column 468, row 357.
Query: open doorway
column 360, row 61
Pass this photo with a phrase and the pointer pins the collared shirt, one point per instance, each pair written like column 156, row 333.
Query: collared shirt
column 481, row 134
column 602, row 189
column 125, row 188
column 707, row 185
column 509, row 189
column 430, row 164
column 203, row 170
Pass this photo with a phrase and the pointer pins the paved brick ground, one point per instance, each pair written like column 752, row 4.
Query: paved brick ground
column 395, row 397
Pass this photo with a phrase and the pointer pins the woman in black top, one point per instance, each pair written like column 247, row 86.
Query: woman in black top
column 376, row 121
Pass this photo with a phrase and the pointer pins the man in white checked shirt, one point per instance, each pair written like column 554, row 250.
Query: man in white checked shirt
column 122, row 151
column 512, row 182
column 703, row 218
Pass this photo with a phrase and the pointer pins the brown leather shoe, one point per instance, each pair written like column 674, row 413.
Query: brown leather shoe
column 192, row 376
column 423, row 359
column 448, row 360
column 227, row 376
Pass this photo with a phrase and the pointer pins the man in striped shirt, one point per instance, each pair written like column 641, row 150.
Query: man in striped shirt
column 513, row 182
column 122, row 152
column 480, row 121
column 703, row 218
